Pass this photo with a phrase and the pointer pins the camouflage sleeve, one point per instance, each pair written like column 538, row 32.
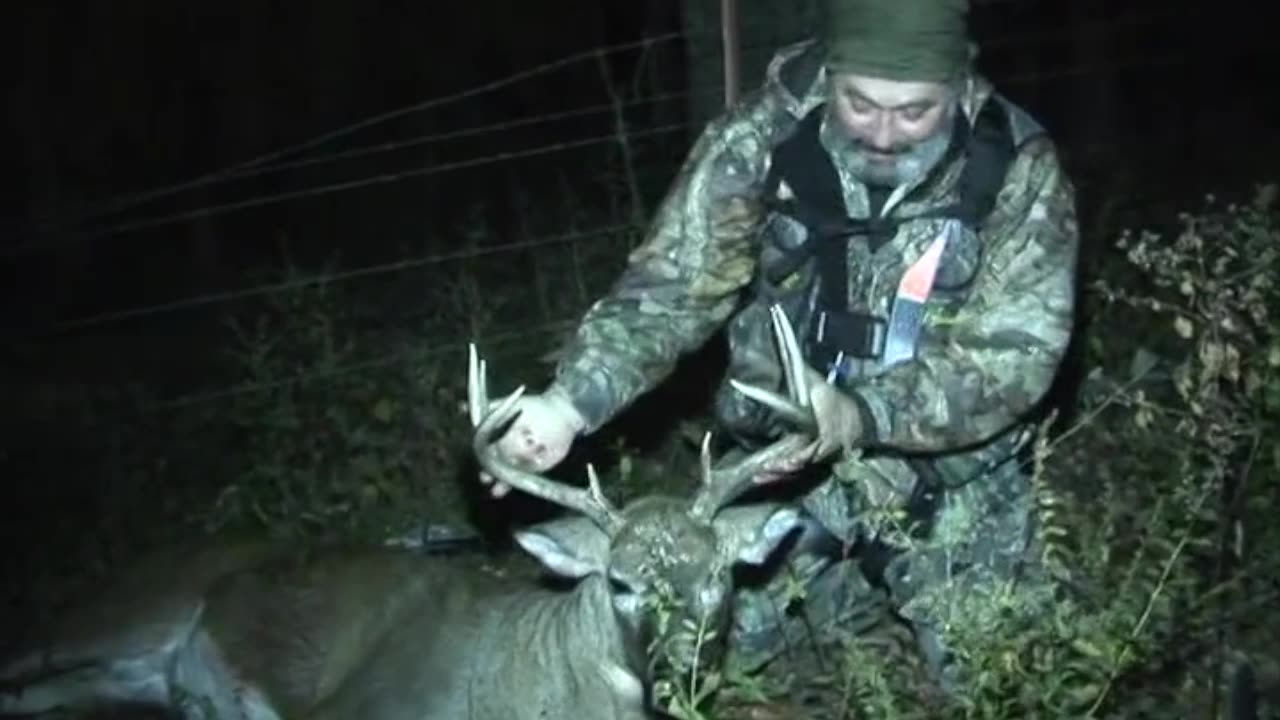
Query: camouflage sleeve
column 681, row 283
column 980, row 368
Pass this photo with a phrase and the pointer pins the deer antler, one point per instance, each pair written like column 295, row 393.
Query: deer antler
column 591, row 501
column 794, row 409
column 722, row 485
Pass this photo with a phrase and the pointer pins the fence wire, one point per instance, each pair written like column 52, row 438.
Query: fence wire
column 274, row 161
column 279, row 160
column 437, row 258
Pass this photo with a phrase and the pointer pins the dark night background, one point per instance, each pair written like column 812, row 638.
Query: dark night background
column 161, row 154
column 110, row 101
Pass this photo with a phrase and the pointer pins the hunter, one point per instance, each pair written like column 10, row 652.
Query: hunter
column 920, row 233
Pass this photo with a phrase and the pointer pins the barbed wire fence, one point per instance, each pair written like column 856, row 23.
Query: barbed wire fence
column 572, row 241
column 275, row 161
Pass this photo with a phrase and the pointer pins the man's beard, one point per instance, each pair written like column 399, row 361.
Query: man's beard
column 901, row 164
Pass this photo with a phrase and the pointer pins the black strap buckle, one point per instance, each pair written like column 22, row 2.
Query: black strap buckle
column 838, row 337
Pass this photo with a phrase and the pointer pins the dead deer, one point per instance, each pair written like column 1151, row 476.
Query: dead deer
column 257, row 631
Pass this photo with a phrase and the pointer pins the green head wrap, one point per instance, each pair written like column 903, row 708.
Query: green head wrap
column 913, row 40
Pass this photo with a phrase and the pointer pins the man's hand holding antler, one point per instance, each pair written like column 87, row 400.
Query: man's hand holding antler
column 819, row 409
column 838, row 416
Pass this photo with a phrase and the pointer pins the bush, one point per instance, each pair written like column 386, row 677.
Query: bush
column 331, row 443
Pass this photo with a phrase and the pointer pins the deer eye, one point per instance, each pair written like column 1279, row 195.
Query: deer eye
column 619, row 585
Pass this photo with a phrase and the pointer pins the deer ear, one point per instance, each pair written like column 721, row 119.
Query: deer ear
column 570, row 547
column 750, row 533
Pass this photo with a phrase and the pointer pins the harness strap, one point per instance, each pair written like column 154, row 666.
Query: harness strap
column 817, row 202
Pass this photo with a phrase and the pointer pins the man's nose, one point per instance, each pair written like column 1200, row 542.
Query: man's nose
column 882, row 134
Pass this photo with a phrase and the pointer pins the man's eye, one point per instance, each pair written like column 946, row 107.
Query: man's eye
column 913, row 114
column 856, row 103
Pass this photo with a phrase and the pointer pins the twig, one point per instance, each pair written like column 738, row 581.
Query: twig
column 1089, row 418
column 1146, row 611
column 1221, row 570
column 624, row 145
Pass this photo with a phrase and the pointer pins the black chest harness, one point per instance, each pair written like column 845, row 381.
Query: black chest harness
column 817, row 203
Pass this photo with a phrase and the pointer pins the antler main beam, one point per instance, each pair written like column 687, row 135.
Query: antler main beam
column 486, row 418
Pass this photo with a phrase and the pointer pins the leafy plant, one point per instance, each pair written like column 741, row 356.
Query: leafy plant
column 330, row 442
column 1155, row 505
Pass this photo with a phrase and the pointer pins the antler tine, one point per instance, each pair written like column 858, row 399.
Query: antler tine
column 589, row 501
column 704, row 458
column 477, row 390
column 598, row 496
column 795, row 409
column 721, row 486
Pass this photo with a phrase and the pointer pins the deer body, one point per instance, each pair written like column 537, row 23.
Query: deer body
column 378, row 633
column 251, row 630
column 419, row 639
column 258, row 632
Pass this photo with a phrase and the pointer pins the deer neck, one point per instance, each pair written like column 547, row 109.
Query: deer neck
column 575, row 642
column 582, row 624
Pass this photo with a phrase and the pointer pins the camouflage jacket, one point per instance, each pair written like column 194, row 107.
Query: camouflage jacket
column 985, row 353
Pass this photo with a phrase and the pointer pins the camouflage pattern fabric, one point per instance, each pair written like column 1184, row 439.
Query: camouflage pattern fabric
column 996, row 328
column 971, row 563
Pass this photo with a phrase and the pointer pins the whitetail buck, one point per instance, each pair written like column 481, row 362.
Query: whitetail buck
column 250, row 631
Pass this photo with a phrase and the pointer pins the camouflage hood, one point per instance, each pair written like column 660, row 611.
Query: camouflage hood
column 795, row 79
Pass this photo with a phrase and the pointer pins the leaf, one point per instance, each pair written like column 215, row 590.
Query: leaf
column 1142, row 363
column 1086, row 648
column 1183, row 327
column 1084, row 695
column 384, row 410
column 711, row 682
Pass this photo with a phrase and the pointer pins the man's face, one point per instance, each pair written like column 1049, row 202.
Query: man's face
column 891, row 131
